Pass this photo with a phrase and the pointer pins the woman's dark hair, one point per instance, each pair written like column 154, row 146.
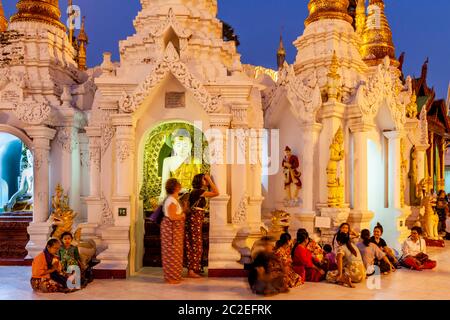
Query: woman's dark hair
column 339, row 231
column 197, row 182
column 327, row 248
column 66, row 234
column 418, row 230
column 344, row 239
column 365, row 236
column 52, row 242
column 302, row 236
column 441, row 192
column 379, row 227
column 284, row 238
column 171, row 185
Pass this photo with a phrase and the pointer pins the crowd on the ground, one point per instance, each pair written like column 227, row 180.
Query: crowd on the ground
column 349, row 259
column 275, row 267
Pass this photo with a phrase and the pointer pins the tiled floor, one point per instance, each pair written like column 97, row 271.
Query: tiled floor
column 404, row 284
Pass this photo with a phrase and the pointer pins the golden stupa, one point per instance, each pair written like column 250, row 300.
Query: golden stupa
column 328, row 9
column 3, row 20
column 377, row 40
column 46, row 11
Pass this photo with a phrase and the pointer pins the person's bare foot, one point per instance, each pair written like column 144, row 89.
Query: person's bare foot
column 173, row 282
column 192, row 274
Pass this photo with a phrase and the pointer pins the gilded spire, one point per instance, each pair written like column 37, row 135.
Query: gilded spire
column 377, row 36
column 3, row 20
column 82, row 43
column 46, row 11
column 328, row 9
column 281, row 54
column 360, row 17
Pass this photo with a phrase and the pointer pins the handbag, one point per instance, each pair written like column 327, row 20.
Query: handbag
column 158, row 214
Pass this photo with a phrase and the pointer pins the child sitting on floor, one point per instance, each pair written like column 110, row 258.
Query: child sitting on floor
column 329, row 258
column 69, row 255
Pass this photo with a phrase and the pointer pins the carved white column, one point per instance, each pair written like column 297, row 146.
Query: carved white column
column 332, row 115
column 421, row 164
column 360, row 216
column 120, row 238
column 222, row 255
column 305, row 218
column 39, row 229
column 394, row 167
column 93, row 201
column 397, row 230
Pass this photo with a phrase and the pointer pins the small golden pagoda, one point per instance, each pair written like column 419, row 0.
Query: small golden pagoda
column 82, row 43
column 360, row 18
column 46, row 11
column 3, row 20
column 377, row 37
column 281, row 54
column 328, row 9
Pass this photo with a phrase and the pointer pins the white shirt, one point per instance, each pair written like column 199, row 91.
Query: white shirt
column 411, row 248
column 168, row 202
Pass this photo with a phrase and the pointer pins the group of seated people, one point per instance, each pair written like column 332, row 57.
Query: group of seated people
column 54, row 269
column 350, row 259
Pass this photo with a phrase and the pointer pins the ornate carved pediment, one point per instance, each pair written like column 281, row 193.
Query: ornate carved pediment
column 170, row 63
column 303, row 94
column 32, row 112
column 170, row 22
column 384, row 87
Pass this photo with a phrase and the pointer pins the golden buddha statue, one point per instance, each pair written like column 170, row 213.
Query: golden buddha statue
column 182, row 166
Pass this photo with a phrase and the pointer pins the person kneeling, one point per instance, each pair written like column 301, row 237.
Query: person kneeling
column 415, row 252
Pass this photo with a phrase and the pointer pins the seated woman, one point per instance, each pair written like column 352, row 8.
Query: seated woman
column 46, row 270
column 304, row 263
column 283, row 251
column 344, row 228
column 379, row 241
column 372, row 255
column 349, row 261
column 415, row 252
column 266, row 276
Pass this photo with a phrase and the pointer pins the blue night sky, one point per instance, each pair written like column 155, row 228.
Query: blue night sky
column 420, row 28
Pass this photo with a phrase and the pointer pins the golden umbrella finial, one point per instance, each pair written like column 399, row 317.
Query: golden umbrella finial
column 328, row 9
column 281, row 54
column 45, row 11
column 377, row 36
column 3, row 20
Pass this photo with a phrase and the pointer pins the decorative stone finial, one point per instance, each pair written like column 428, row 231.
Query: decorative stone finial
column 83, row 41
column 281, row 54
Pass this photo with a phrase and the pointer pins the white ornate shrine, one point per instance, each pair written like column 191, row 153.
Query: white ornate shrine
column 94, row 131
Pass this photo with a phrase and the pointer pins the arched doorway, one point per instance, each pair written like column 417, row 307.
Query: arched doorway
column 157, row 146
column 16, row 198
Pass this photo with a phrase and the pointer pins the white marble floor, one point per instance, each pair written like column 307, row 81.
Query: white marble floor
column 148, row 285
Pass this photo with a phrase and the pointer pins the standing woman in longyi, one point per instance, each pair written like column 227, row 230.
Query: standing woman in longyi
column 203, row 188
column 172, row 234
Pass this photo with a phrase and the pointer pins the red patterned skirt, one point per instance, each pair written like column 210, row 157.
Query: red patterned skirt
column 194, row 241
column 172, row 237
